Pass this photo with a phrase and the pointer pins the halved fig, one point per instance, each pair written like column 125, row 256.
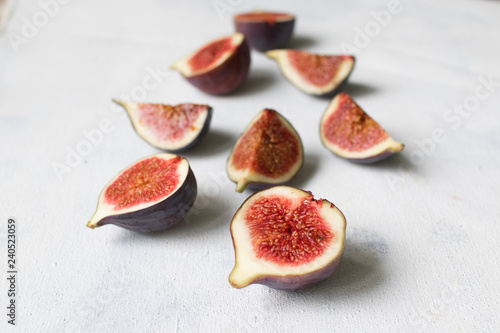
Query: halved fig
column 152, row 194
column 218, row 67
column 313, row 73
column 265, row 30
column 268, row 152
column 171, row 128
column 349, row 132
column 285, row 239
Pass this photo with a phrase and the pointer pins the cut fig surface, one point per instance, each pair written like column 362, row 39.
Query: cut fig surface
column 168, row 127
column 349, row 132
column 265, row 30
column 313, row 73
column 286, row 239
column 218, row 67
column 152, row 194
column 268, row 152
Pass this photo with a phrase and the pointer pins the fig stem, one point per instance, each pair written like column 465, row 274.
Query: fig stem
column 241, row 185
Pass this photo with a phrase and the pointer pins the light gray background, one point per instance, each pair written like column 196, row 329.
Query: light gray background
column 422, row 248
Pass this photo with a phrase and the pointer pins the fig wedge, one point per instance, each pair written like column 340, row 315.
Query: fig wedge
column 268, row 152
column 314, row 74
column 171, row 128
column 349, row 132
column 285, row 239
column 218, row 67
column 265, row 30
column 152, row 194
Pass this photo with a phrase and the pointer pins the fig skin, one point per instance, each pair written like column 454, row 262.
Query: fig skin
column 226, row 77
column 263, row 35
column 137, row 127
column 242, row 274
column 160, row 216
column 379, row 151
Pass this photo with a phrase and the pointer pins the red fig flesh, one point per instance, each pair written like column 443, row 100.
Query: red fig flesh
column 349, row 132
column 171, row 128
column 152, row 194
column 268, row 152
column 265, row 30
column 285, row 239
column 218, row 67
column 313, row 73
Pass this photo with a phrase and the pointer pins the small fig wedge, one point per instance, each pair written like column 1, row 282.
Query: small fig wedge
column 349, row 132
column 152, row 194
column 314, row 74
column 167, row 127
column 285, row 239
column 218, row 67
column 265, row 30
column 268, row 152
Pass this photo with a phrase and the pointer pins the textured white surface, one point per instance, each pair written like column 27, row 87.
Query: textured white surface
column 422, row 248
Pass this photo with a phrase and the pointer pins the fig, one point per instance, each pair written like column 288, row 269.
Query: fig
column 167, row 127
column 265, row 30
column 314, row 74
column 349, row 132
column 268, row 152
column 152, row 194
column 218, row 67
column 285, row 239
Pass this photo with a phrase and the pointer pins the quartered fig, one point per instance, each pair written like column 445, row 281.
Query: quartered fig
column 152, row 194
column 313, row 73
column 349, row 132
column 268, row 152
column 265, row 30
column 285, row 239
column 218, row 67
column 171, row 128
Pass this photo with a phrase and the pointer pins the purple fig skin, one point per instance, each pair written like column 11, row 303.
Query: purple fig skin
column 228, row 76
column 373, row 159
column 296, row 282
column 161, row 216
column 202, row 133
column 264, row 36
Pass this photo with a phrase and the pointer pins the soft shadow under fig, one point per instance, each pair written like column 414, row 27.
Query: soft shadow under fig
column 301, row 42
column 306, row 172
column 360, row 270
column 257, row 81
column 214, row 142
column 356, row 89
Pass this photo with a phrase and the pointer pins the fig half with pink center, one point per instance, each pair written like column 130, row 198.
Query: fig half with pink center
column 168, row 127
column 152, row 194
column 349, row 132
column 265, row 30
column 286, row 239
column 218, row 67
column 314, row 74
column 268, row 152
